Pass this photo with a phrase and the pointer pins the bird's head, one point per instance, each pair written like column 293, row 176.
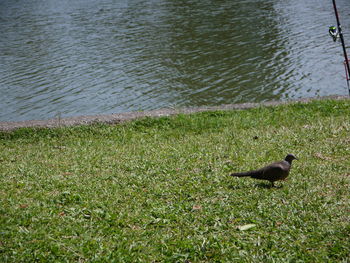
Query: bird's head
column 290, row 157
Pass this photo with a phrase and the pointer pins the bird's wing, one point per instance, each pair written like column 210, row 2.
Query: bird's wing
column 271, row 172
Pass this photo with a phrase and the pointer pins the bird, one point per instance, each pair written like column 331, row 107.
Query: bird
column 273, row 172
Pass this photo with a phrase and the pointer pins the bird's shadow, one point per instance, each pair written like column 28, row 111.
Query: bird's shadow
column 268, row 186
column 236, row 187
column 258, row 185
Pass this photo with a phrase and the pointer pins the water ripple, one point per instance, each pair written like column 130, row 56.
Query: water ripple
column 93, row 57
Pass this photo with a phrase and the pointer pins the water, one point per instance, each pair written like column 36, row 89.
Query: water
column 87, row 57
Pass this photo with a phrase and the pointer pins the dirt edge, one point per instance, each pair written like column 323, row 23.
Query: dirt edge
column 127, row 116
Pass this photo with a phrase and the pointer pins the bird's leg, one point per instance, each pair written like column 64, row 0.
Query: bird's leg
column 272, row 184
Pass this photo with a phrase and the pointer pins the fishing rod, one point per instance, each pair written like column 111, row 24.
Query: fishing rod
column 336, row 32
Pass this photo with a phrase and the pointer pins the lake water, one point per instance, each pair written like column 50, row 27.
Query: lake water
column 82, row 57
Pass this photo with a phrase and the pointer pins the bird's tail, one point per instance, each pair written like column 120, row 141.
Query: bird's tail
column 253, row 174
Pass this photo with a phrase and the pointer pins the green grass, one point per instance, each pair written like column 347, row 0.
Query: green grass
column 157, row 190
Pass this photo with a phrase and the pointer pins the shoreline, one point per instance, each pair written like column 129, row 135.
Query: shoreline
column 128, row 116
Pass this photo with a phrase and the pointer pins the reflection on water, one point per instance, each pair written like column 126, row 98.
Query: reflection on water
column 93, row 57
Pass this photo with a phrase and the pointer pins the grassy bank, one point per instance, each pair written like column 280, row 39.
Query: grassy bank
column 157, row 190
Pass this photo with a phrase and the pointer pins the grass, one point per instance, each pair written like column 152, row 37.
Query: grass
column 157, row 190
